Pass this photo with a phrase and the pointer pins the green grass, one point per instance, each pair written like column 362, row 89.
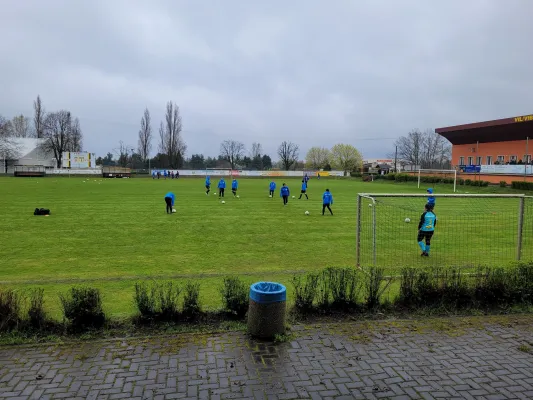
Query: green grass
column 112, row 232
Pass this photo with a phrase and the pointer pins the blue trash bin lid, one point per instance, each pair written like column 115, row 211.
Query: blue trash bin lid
column 268, row 292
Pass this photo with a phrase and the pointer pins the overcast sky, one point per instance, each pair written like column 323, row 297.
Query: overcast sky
column 314, row 72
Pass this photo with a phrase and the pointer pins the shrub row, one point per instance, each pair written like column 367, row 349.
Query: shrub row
column 433, row 179
column 521, row 185
column 82, row 305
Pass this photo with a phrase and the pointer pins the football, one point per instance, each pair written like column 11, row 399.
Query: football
column 307, row 213
column 370, row 205
column 223, row 202
column 407, row 220
column 293, row 197
column 173, row 210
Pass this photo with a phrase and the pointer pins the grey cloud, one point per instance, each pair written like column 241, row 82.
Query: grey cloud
column 313, row 72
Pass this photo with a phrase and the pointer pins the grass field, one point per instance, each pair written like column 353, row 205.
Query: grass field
column 114, row 232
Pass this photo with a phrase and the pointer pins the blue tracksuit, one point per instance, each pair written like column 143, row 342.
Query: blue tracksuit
column 222, row 184
column 171, row 195
column 234, row 185
column 284, row 191
column 304, row 186
column 207, row 182
column 431, row 199
column 327, row 198
column 272, row 186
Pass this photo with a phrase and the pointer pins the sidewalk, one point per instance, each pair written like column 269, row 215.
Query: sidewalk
column 478, row 357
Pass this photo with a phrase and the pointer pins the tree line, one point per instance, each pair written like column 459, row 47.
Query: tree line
column 427, row 150
column 60, row 131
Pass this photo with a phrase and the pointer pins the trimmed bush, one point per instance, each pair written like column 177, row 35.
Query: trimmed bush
column 344, row 286
column 36, row 314
column 191, row 299
column 468, row 182
column 305, row 290
column 82, row 308
column 493, row 287
column 521, row 185
column 157, row 300
column 503, row 184
column 145, row 300
column 10, row 306
column 376, row 284
column 456, row 292
column 234, row 294
column 168, row 294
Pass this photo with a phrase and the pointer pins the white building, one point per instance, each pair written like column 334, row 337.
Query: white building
column 25, row 151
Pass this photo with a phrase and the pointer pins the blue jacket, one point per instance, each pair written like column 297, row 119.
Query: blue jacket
column 431, row 199
column 171, row 195
column 234, row 184
column 304, row 186
column 222, row 184
column 207, row 181
column 272, row 185
column 284, row 191
column 327, row 198
column 428, row 221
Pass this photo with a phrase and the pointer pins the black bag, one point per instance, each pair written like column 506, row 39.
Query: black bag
column 41, row 211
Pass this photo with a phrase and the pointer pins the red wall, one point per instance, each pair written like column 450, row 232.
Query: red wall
column 507, row 149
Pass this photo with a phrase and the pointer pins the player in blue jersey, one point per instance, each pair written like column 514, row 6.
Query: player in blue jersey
column 207, row 185
column 285, row 192
column 221, row 187
column 426, row 228
column 304, row 190
column 431, row 198
column 234, row 186
column 169, row 200
column 271, row 189
column 327, row 200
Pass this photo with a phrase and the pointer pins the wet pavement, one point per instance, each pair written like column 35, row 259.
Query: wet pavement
column 463, row 358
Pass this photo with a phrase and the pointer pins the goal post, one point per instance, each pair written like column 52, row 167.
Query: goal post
column 471, row 230
column 445, row 174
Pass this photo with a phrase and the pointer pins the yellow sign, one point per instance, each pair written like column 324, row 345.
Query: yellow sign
column 524, row 118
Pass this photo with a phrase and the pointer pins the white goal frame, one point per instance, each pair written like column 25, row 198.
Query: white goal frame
column 372, row 197
column 454, row 171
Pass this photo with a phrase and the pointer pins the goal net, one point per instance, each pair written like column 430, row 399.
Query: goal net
column 471, row 230
column 437, row 176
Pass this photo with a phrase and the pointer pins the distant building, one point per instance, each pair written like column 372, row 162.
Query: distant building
column 26, row 151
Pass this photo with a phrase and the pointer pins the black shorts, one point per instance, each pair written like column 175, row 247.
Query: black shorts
column 302, row 191
column 208, row 187
column 233, row 190
column 424, row 235
column 168, row 200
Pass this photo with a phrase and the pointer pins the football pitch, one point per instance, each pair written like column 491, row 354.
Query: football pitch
column 110, row 233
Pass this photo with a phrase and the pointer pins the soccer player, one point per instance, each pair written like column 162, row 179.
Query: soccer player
column 426, row 228
column 207, row 185
column 306, row 179
column 221, row 187
column 431, row 198
column 327, row 200
column 169, row 200
column 234, row 186
column 272, row 187
column 285, row 192
column 304, row 190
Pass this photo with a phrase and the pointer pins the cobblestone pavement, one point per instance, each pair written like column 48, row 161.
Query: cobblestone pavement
column 481, row 358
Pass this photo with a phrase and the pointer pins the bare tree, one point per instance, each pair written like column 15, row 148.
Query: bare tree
column 38, row 117
column 5, row 127
column 172, row 143
column 257, row 150
column 9, row 149
column 232, row 151
column 20, row 126
column 57, row 134
column 76, row 137
column 122, row 154
column 426, row 149
column 145, row 136
column 288, row 154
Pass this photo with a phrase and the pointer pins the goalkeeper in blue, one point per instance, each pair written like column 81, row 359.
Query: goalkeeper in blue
column 426, row 228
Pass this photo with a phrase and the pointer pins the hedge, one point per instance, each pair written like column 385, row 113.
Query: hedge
column 433, row 179
column 521, row 185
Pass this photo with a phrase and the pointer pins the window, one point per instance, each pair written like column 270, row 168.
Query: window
column 501, row 159
column 489, row 160
column 461, row 161
column 478, row 161
column 512, row 159
column 470, row 160
column 527, row 158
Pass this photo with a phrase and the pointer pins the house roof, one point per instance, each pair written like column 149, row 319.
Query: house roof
column 24, row 146
column 500, row 130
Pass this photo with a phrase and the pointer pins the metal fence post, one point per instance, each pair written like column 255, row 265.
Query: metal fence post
column 520, row 228
column 358, row 230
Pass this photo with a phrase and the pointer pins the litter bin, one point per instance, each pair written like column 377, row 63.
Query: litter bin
column 266, row 310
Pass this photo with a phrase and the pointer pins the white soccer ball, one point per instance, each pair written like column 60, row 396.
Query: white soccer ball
column 173, row 210
column 407, row 220
column 215, row 193
column 370, row 205
column 307, row 213
column 238, row 196
column 269, row 195
column 223, row 202
column 293, row 197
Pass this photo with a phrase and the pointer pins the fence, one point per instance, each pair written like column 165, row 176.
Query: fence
column 229, row 172
column 471, row 230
